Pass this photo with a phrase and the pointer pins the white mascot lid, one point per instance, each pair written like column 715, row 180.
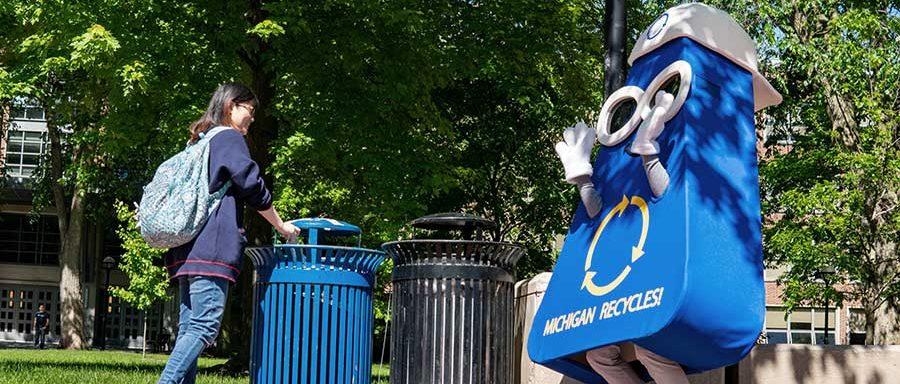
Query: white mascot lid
column 717, row 31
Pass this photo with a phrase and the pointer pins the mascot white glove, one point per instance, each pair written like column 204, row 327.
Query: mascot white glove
column 575, row 151
column 652, row 126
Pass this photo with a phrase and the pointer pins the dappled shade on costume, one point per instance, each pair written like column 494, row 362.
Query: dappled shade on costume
column 680, row 274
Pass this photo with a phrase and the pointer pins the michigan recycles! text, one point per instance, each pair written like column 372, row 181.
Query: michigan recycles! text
column 613, row 308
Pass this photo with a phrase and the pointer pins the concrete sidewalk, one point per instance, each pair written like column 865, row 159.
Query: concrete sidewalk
column 25, row 345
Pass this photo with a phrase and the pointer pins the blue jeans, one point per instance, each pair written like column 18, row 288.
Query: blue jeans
column 202, row 307
column 39, row 335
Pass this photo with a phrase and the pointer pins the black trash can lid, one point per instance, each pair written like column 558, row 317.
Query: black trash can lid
column 452, row 221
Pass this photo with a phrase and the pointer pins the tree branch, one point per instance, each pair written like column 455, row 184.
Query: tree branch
column 56, row 171
column 247, row 59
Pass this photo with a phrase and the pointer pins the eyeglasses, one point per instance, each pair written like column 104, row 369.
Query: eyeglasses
column 248, row 108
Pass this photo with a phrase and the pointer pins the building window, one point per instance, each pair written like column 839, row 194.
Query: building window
column 776, row 326
column 23, row 152
column 803, row 326
column 772, row 274
column 857, row 327
column 27, row 241
column 26, row 139
column 24, row 110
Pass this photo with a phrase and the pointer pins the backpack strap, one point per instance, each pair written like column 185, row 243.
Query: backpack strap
column 208, row 135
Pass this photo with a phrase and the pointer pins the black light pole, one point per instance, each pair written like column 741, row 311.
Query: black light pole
column 108, row 264
column 824, row 276
column 615, row 28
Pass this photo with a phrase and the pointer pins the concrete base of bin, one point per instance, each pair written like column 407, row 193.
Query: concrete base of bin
column 529, row 293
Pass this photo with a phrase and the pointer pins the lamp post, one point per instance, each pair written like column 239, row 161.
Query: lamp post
column 108, row 264
column 614, row 20
column 823, row 276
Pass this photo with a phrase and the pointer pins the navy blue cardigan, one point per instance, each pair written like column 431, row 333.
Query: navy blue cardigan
column 218, row 249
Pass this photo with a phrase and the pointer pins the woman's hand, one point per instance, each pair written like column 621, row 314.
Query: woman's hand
column 288, row 231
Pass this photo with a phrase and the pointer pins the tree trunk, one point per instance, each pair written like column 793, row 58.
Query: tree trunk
column 239, row 315
column 71, row 220
column 842, row 115
column 71, row 301
column 869, row 311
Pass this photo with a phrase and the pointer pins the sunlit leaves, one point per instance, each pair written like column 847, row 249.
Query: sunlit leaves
column 266, row 29
column 93, row 48
column 142, row 264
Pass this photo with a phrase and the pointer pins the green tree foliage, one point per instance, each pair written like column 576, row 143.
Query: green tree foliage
column 400, row 109
column 831, row 196
column 119, row 82
column 379, row 112
column 387, row 111
column 147, row 278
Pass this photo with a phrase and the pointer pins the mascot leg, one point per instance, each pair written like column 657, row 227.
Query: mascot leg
column 609, row 363
column 663, row 370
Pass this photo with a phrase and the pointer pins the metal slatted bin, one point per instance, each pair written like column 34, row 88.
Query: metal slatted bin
column 313, row 314
column 452, row 310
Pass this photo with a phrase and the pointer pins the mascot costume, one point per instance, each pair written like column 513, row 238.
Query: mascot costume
column 665, row 250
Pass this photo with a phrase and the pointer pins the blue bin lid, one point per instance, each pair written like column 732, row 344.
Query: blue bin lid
column 331, row 227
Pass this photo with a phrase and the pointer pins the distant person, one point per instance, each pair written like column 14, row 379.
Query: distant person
column 41, row 326
column 205, row 265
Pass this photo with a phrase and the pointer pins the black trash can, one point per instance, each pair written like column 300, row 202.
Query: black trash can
column 452, row 308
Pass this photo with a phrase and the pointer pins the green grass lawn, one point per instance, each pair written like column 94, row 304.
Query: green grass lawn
column 104, row 367
column 70, row 367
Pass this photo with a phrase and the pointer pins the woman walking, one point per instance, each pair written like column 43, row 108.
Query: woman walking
column 206, row 265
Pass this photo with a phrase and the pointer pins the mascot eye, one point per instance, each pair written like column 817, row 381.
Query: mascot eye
column 610, row 129
column 621, row 112
column 671, row 85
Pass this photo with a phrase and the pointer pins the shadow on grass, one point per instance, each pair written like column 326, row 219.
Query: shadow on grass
column 224, row 370
column 380, row 374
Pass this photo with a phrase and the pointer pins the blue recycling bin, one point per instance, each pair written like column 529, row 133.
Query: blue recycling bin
column 312, row 313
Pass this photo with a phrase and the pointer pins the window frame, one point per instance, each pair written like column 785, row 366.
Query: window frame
column 44, row 235
column 27, row 107
column 17, row 143
column 815, row 334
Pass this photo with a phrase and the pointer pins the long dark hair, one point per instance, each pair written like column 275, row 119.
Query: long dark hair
column 218, row 112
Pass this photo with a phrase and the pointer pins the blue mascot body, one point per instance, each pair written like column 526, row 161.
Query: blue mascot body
column 680, row 274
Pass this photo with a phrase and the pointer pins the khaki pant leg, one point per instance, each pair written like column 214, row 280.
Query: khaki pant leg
column 661, row 369
column 608, row 362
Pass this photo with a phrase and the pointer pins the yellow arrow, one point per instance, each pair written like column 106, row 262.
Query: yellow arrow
column 637, row 252
column 602, row 290
column 619, row 208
